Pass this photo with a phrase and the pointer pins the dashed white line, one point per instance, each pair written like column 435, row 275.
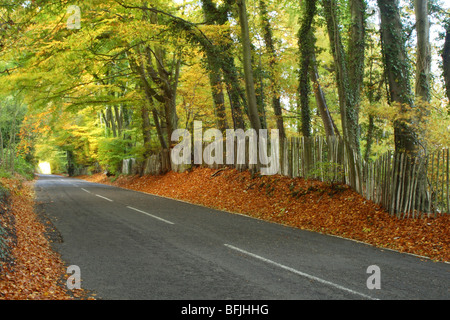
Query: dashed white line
column 104, row 198
column 150, row 215
column 300, row 273
column 86, row 190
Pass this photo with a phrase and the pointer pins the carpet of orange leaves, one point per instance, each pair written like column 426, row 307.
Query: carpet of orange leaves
column 37, row 272
column 311, row 205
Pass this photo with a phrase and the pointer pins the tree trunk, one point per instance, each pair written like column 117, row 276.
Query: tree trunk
column 397, row 73
column 234, row 92
column 248, row 70
column 166, row 80
column 356, row 49
column 110, row 118
column 221, row 56
column 1, row 148
column 328, row 123
column 119, row 119
column 70, row 163
column 218, row 98
column 162, row 141
column 215, row 75
column 150, row 94
column 2, row 155
column 306, row 46
column 146, row 131
column 423, row 63
column 446, row 61
column 270, row 47
column 347, row 101
column 398, row 77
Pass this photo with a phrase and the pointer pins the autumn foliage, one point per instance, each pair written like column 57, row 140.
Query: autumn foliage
column 305, row 204
column 35, row 272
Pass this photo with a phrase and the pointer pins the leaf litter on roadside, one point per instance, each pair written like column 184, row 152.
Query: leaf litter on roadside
column 35, row 272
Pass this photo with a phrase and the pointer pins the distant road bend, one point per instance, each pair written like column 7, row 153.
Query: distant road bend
column 131, row 245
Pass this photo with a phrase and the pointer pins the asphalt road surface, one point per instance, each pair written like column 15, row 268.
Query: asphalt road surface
column 131, row 245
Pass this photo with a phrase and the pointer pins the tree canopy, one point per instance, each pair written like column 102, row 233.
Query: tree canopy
column 90, row 83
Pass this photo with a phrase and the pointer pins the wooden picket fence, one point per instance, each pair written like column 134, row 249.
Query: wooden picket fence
column 403, row 186
column 410, row 187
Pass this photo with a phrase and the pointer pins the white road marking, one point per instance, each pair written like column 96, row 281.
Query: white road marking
column 299, row 272
column 150, row 215
column 85, row 190
column 104, row 198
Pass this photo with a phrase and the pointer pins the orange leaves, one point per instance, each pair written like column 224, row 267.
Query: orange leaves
column 299, row 203
column 37, row 271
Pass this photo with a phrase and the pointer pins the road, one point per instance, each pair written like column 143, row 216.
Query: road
column 131, row 245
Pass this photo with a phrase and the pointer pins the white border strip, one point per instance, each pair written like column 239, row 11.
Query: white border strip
column 300, row 273
column 150, row 215
column 104, row 198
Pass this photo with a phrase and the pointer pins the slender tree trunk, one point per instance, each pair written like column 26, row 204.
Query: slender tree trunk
column 347, row 101
column 260, row 93
column 356, row 49
column 270, row 47
column 306, row 46
column 2, row 155
column 146, row 131
column 218, row 98
column 446, row 61
column 110, row 118
column 248, row 70
column 423, row 63
column 12, row 143
column 215, row 75
column 70, row 163
column 234, row 92
column 328, row 123
column 159, row 131
column 374, row 96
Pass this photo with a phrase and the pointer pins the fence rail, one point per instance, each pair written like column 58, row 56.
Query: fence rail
column 405, row 187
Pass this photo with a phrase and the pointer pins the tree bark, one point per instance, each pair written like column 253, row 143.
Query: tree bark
column 397, row 73
column 248, row 70
column 423, row 63
column 146, row 131
column 398, row 77
column 306, row 47
column 356, row 49
column 446, row 61
column 270, row 47
column 215, row 75
column 328, row 123
column 2, row 155
column 219, row 55
column 348, row 103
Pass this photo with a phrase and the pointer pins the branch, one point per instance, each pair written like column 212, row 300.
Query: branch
column 175, row 18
